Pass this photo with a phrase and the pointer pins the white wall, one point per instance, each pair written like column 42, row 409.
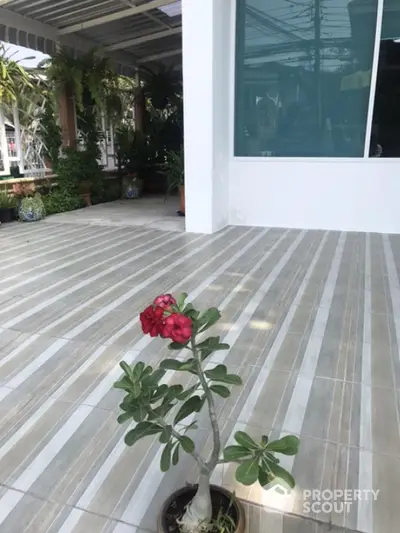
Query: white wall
column 206, row 66
column 358, row 195
column 352, row 195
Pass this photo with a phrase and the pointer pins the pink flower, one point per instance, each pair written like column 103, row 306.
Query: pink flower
column 178, row 328
column 152, row 319
column 165, row 301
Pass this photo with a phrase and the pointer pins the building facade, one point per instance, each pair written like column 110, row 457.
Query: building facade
column 292, row 114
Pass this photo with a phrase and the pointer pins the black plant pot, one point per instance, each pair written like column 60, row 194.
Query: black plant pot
column 6, row 214
column 222, row 500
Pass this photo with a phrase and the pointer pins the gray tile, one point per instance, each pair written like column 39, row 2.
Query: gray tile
column 294, row 305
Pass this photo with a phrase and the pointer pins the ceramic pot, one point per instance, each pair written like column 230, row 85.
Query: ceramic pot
column 175, row 506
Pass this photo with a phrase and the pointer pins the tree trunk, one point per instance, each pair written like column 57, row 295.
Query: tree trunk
column 199, row 510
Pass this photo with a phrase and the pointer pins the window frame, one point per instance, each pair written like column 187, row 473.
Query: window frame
column 371, row 104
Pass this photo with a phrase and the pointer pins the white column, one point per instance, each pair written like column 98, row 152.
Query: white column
column 3, row 145
column 18, row 143
column 207, row 55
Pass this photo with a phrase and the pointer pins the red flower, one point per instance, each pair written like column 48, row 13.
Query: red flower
column 178, row 328
column 165, row 301
column 152, row 320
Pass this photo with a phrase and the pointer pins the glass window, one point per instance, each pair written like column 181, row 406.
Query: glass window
column 385, row 133
column 303, row 71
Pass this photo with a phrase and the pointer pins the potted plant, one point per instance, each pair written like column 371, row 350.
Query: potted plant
column 167, row 411
column 7, row 207
column 31, row 209
column 174, row 169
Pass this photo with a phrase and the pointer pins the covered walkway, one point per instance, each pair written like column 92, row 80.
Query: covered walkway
column 130, row 32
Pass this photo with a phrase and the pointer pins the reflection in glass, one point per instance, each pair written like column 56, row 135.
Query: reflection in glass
column 385, row 135
column 303, row 70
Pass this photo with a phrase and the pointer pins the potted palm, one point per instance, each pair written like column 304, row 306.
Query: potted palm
column 174, row 169
column 169, row 412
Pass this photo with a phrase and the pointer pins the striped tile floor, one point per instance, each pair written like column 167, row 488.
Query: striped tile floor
column 313, row 320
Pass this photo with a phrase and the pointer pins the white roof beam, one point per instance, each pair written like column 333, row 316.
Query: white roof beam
column 144, row 39
column 157, row 57
column 105, row 19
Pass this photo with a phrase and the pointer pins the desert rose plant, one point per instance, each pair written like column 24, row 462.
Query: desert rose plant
column 161, row 409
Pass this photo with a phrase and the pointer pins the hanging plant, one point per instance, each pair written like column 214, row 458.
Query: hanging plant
column 50, row 130
column 13, row 78
column 161, row 87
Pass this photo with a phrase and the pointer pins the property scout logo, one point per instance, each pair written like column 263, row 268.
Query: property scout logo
column 321, row 501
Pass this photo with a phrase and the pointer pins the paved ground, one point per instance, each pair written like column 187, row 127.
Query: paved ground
column 314, row 323
column 153, row 212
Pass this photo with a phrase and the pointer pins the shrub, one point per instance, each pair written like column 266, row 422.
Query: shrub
column 60, row 201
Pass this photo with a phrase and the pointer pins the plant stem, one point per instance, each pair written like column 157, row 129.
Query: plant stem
column 213, row 461
column 177, row 435
column 199, row 511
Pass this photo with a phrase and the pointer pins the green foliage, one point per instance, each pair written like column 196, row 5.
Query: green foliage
column 135, row 152
column 90, row 74
column 257, row 461
column 112, row 190
column 60, row 201
column 7, row 201
column 14, row 79
column 50, row 131
column 162, row 87
column 174, row 170
column 148, row 402
column 74, row 168
column 31, row 208
column 162, row 409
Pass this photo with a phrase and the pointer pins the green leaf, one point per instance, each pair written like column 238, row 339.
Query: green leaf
column 264, row 440
column 264, row 477
column 175, row 346
column 126, row 368
column 173, row 392
column 175, row 456
column 170, row 364
column 210, row 345
column 160, row 392
column 157, row 375
column 244, row 440
column 222, row 391
column 288, row 445
column 124, row 417
column 231, row 379
column 247, row 472
column 166, row 435
column 165, row 461
column 138, row 370
column 162, row 410
column 233, row 453
column 181, row 300
column 185, row 394
column 187, row 444
column 280, row 474
column 192, row 405
column 136, row 389
column 125, row 384
column 139, row 414
column 209, row 318
column 189, row 366
column 143, row 429
column 217, row 372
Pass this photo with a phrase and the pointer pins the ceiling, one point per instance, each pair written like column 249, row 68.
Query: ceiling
column 131, row 32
